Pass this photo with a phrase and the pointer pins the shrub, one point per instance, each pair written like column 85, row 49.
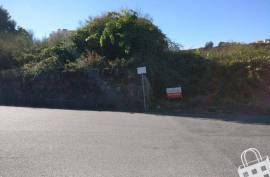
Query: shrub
column 44, row 68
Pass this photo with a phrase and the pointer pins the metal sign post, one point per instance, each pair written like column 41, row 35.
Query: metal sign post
column 141, row 71
column 144, row 99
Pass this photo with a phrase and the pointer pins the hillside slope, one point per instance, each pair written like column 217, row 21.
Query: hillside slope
column 58, row 71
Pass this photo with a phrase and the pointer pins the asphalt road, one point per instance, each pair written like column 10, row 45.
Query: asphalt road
column 63, row 143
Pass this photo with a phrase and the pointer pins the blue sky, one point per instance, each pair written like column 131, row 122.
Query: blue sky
column 189, row 22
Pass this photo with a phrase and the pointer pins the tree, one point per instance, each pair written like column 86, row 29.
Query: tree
column 174, row 46
column 60, row 36
column 223, row 44
column 209, row 45
column 121, row 35
column 14, row 41
column 6, row 23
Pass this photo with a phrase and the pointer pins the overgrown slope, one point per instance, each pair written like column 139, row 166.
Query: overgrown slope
column 95, row 67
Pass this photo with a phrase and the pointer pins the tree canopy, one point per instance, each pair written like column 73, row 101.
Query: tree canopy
column 6, row 23
column 14, row 41
column 209, row 45
column 120, row 35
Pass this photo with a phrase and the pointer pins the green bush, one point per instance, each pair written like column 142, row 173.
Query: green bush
column 44, row 68
column 120, row 35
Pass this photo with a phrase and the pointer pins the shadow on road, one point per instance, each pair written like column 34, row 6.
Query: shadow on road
column 230, row 117
column 239, row 118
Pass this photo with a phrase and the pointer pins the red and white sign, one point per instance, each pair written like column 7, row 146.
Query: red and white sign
column 174, row 93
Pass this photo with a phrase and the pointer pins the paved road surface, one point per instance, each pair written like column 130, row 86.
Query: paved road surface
column 62, row 143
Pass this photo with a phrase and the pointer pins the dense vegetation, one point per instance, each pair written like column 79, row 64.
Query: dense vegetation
column 230, row 76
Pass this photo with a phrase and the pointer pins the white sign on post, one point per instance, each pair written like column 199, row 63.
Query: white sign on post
column 141, row 70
